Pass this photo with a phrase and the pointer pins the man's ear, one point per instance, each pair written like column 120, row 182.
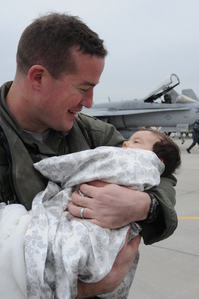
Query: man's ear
column 35, row 76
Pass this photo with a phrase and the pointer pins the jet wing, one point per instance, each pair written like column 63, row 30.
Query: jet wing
column 113, row 112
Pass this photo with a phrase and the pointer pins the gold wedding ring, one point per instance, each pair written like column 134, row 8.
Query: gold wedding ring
column 82, row 213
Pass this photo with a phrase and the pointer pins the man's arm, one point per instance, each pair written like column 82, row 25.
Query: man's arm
column 166, row 220
column 115, row 276
column 6, row 191
column 109, row 205
column 114, row 206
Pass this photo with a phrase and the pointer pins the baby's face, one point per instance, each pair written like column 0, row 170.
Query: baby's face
column 143, row 140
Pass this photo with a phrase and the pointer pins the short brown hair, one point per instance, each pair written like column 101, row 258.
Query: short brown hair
column 49, row 39
column 167, row 150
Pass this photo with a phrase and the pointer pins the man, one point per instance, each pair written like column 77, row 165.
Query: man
column 59, row 62
column 195, row 136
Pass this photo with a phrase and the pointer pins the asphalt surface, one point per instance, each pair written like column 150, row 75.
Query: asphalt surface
column 170, row 269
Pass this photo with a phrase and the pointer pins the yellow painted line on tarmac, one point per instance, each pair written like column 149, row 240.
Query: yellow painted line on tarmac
column 188, row 217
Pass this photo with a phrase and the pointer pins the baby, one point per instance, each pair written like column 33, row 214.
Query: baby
column 163, row 146
column 60, row 249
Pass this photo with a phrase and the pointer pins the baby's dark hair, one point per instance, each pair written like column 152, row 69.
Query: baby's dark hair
column 166, row 150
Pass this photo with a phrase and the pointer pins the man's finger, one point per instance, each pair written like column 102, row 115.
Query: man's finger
column 80, row 200
column 98, row 183
column 77, row 211
column 89, row 191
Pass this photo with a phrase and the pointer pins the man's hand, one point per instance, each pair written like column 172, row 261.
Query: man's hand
column 120, row 268
column 110, row 205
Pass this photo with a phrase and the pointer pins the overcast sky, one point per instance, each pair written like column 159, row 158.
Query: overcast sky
column 147, row 40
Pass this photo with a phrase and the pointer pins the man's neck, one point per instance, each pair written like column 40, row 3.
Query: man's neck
column 18, row 102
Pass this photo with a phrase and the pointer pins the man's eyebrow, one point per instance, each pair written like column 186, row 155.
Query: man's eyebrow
column 89, row 83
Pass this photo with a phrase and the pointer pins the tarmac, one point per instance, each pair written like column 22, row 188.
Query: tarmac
column 170, row 269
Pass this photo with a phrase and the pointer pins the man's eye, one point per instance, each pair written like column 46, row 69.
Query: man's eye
column 83, row 89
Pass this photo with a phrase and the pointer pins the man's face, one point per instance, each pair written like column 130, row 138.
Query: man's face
column 143, row 140
column 61, row 99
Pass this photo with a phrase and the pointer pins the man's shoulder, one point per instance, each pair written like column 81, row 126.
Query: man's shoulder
column 100, row 132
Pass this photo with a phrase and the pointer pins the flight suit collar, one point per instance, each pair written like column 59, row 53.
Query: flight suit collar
column 53, row 141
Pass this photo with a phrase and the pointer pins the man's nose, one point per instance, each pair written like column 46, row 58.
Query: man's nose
column 87, row 100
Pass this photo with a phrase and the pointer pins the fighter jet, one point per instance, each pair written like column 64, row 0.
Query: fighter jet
column 163, row 108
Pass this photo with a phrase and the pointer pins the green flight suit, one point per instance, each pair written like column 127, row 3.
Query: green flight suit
column 20, row 182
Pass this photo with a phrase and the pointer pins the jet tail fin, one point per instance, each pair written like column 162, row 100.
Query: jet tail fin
column 190, row 93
